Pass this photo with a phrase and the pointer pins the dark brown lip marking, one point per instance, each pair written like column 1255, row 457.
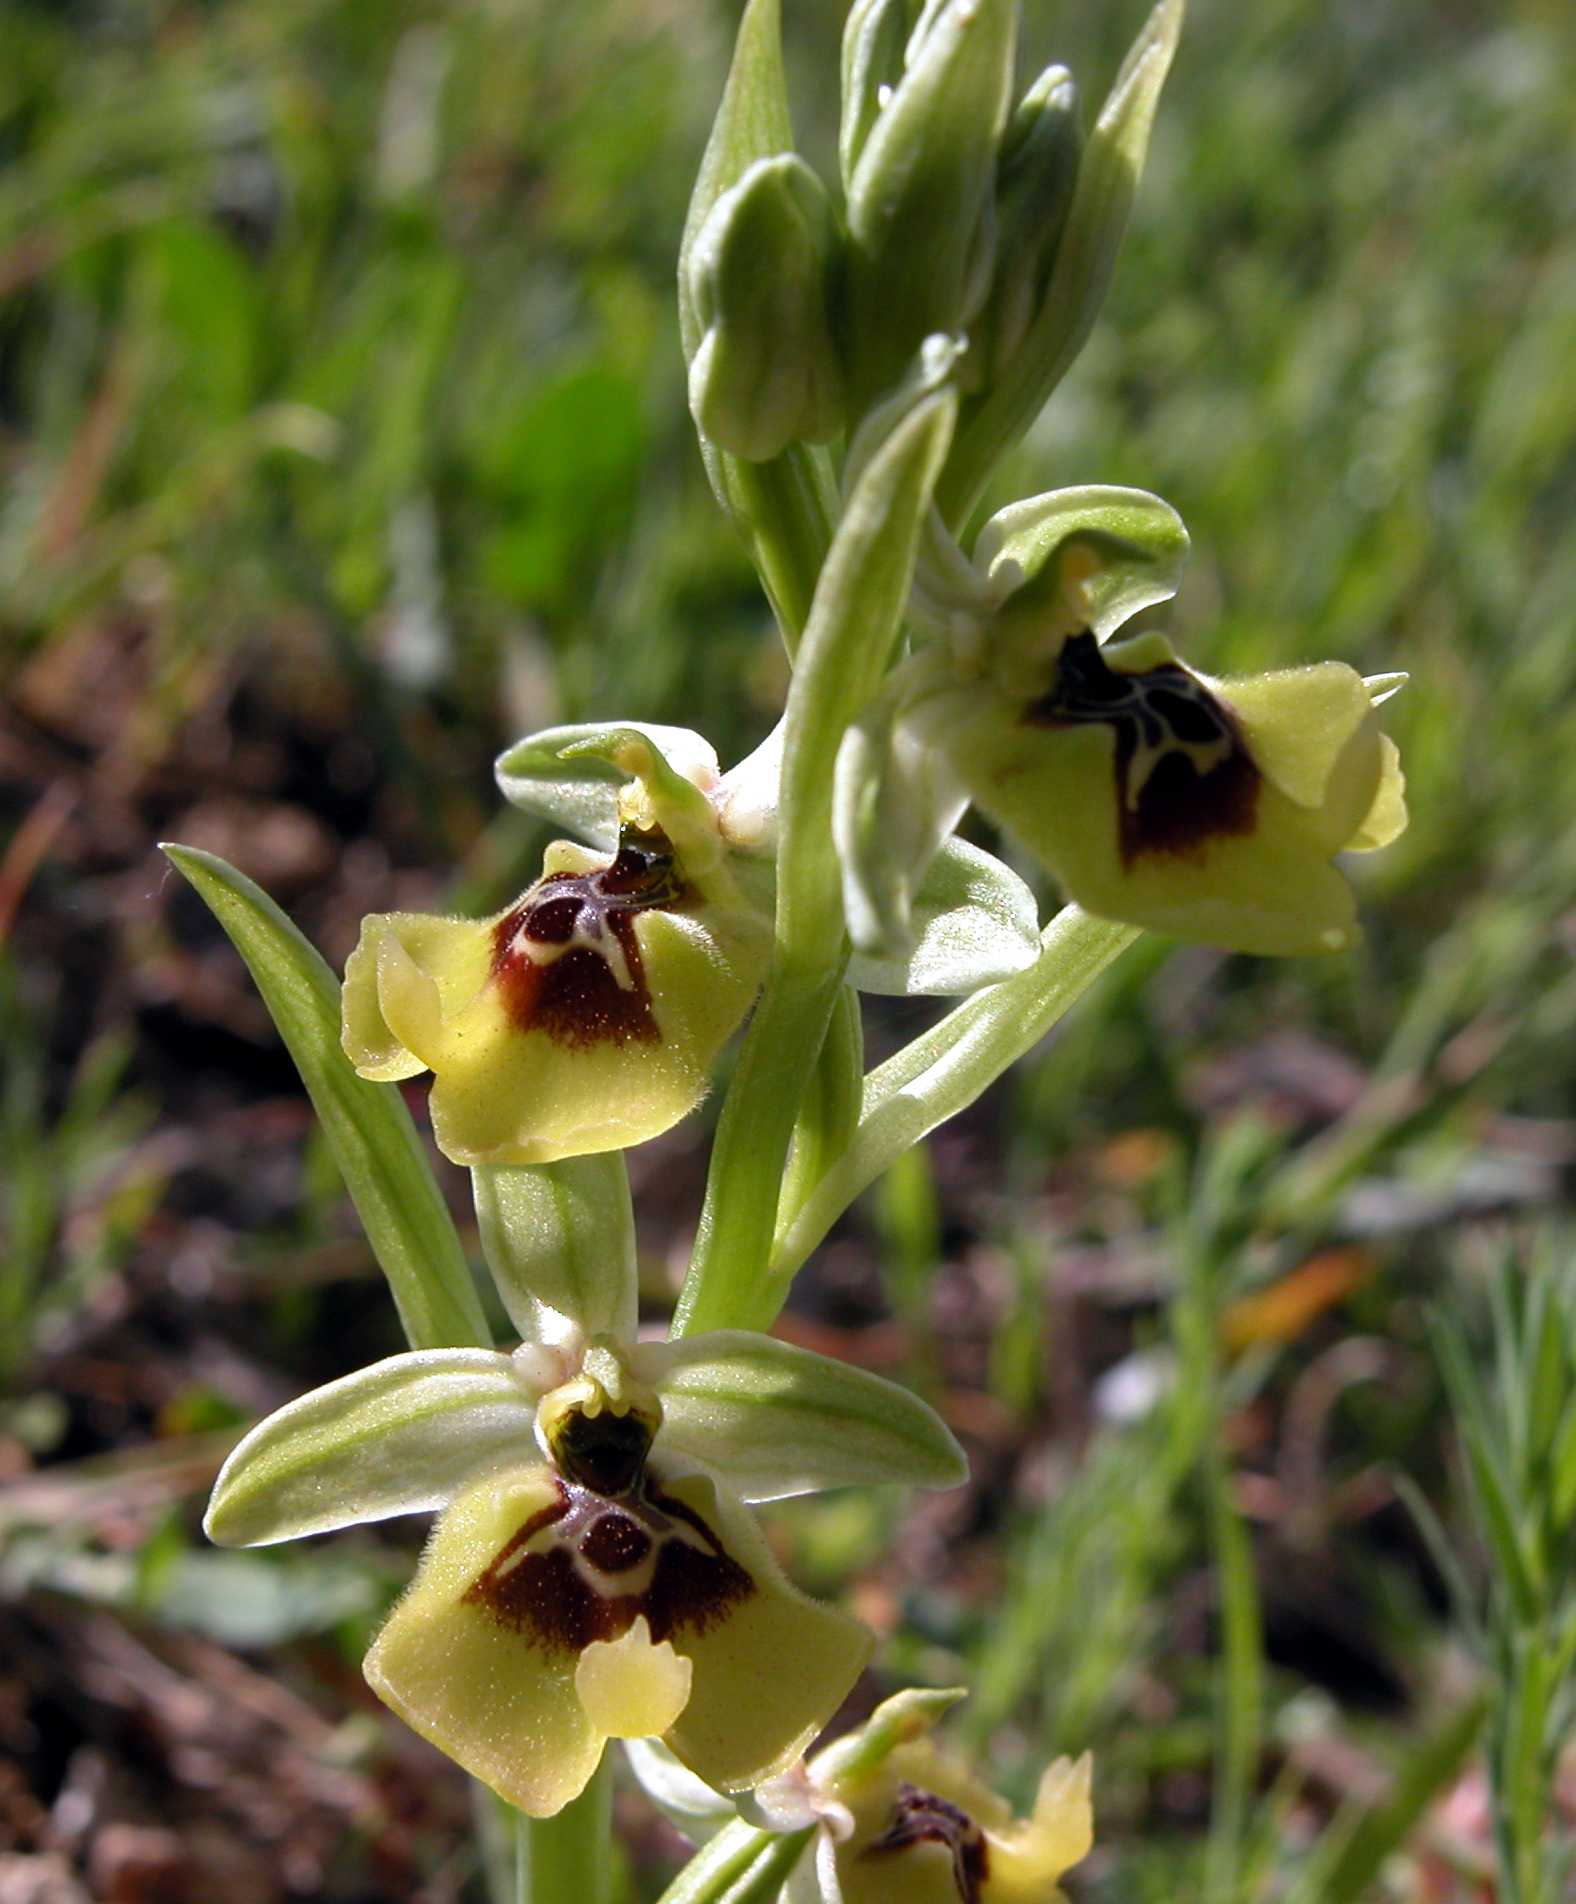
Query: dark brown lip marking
column 545, row 1590
column 577, row 996
column 920, row 1817
column 1198, row 783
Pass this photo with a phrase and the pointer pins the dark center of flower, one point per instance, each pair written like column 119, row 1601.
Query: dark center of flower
column 566, row 958
column 920, row 1817
column 585, row 1568
column 605, row 1452
column 1183, row 772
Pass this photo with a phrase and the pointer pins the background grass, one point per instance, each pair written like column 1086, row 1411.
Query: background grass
column 342, row 423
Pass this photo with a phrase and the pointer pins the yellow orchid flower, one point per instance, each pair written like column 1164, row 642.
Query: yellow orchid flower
column 585, row 1016
column 1212, row 809
column 594, row 1572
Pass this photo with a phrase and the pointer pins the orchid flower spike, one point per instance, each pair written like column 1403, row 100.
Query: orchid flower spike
column 594, row 1572
column 1156, row 794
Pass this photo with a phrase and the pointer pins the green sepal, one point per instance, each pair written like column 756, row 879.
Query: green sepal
column 559, row 1240
column 369, row 1130
column 1108, row 175
column 572, row 776
column 772, row 1420
column 1035, row 181
column 920, row 211
column 974, row 922
column 874, row 39
column 401, row 1437
column 762, row 274
column 910, row 1714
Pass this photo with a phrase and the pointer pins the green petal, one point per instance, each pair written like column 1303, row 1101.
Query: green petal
column 567, row 776
column 400, row 1437
column 774, row 1420
column 1144, row 540
column 770, row 1672
column 498, row 1703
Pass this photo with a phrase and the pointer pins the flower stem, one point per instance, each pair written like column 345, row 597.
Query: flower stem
column 564, row 1860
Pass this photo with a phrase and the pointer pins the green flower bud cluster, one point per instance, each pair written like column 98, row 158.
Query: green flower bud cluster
column 958, row 215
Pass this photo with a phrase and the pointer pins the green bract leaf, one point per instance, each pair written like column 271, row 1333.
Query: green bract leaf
column 1140, row 540
column 772, row 1420
column 873, row 43
column 400, row 1437
column 560, row 1242
column 920, row 222
column 1085, row 259
column 570, row 776
column 368, row 1128
column 974, row 923
column 1035, row 181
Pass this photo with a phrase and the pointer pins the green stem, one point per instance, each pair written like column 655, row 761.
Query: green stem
column 564, row 1860
column 741, row 1865
column 860, row 598
column 785, row 510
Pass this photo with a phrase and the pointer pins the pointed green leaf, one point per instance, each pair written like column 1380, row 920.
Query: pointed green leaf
column 368, row 1128
column 401, row 1437
column 1108, row 177
column 560, row 1242
column 773, row 1420
column 943, row 1070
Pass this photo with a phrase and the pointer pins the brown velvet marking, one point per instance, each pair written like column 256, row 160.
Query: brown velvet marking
column 614, row 1543
column 920, row 1817
column 543, row 1596
column 1178, row 809
column 576, row 998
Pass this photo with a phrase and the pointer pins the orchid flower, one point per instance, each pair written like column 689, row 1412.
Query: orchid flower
column 594, row 1572
column 894, row 1819
column 587, row 1015
column 1155, row 794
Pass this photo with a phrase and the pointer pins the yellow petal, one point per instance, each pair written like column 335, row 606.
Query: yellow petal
column 630, row 1688
column 770, row 1669
column 498, row 1699
column 1385, row 819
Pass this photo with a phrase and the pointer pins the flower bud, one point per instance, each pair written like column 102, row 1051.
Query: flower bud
column 920, row 203
column 761, row 274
